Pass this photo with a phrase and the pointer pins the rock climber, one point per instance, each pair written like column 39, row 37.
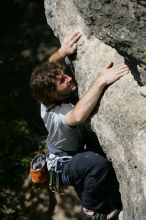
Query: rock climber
column 64, row 116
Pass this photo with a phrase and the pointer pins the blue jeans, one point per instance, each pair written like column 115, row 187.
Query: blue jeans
column 94, row 181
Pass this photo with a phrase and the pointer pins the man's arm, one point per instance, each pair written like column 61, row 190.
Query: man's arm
column 86, row 104
column 68, row 47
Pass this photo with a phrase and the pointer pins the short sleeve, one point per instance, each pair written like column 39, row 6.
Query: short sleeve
column 56, row 115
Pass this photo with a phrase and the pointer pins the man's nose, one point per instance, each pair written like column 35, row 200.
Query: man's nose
column 69, row 78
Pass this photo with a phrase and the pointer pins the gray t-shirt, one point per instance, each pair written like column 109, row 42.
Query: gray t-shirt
column 60, row 135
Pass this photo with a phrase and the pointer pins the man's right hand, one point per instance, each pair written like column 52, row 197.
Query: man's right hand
column 69, row 44
column 111, row 74
column 68, row 47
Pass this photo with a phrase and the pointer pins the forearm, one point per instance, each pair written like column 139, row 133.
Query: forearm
column 86, row 104
column 56, row 57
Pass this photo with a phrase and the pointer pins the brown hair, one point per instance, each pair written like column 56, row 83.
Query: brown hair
column 41, row 82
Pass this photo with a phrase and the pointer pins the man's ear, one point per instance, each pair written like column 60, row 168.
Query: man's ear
column 59, row 71
column 54, row 95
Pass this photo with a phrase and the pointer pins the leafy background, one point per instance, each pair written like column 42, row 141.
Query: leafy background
column 26, row 40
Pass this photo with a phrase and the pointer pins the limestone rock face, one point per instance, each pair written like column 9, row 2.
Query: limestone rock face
column 120, row 119
column 121, row 24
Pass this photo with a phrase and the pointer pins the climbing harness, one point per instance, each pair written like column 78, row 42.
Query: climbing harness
column 48, row 167
column 55, row 164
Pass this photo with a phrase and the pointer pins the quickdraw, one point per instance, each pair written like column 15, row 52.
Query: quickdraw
column 55, row 184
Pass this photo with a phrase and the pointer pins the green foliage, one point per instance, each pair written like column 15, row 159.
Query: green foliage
column 16, row 145
column 23, row 29
column 25, row 41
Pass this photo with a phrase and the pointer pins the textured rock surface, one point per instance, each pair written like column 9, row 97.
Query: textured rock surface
column 120, row 119
column 121, row 24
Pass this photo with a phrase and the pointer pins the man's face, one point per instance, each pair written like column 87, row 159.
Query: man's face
column 65, row 85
